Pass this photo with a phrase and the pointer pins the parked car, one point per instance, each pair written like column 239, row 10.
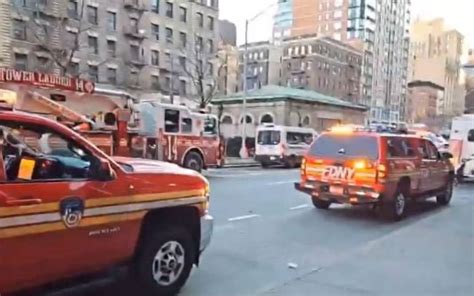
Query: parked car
column 285, row 145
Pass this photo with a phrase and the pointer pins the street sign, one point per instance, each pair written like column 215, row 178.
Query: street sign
column 9, row 75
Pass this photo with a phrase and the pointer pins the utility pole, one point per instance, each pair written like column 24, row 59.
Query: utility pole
column 171, row 86
column 243, row 148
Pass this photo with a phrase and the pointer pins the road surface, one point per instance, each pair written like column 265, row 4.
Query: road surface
column 269, row 240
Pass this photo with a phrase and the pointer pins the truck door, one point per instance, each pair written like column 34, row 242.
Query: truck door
column 46, row 190
column 429, row 166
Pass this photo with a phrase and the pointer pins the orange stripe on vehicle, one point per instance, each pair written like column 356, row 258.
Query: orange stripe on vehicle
column 98, row 202
column 58, row 226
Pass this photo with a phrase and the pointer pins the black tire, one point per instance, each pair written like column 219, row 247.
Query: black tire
column 291, row 162
column 445, row 198
column 194, row 161
column 321, row 204
column 145, row 261
column 264, row 164
column 395, row 209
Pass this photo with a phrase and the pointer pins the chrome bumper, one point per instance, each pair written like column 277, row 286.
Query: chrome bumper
column 207, row 225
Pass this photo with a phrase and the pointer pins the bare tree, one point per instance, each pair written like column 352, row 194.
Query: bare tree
column 44, row 28
column 201, row 72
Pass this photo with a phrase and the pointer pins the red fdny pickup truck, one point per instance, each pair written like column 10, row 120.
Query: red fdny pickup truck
column 67, row 209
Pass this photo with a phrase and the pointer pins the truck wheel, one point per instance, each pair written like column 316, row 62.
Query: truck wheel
column 321, row 204
column 445, row 198
column 395, row 210
column 193, row 161
column 165, row 262
column 264, row 164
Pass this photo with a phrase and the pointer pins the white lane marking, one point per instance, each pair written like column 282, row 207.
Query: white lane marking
column 243, row 217
column 299, row 207
column 282, row 182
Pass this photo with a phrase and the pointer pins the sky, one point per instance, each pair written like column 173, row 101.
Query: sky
column 459, row 14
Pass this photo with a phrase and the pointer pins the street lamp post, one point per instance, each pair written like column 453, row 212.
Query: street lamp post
column 243, row 149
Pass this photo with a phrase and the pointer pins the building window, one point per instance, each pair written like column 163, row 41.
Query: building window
column 267, row 118
column 19, row 3
column 92, row 14
column 183, row 38
column 134, row 52
column 72, row 9
column 93, row 73
column 21, row 61
column 155, row 6
column 111, row 47
column 337, row 14
column 155, row 57
column 19, row 30
column 182, row 87
column 112, row 75
column 183, row 14
column 199, row 43
column 155, row 82
column 210, row 45
column 210, row 69
column 111, row 21
column 169, row 9
column 182, row 62
column 200, row 19
column 210, row 23
column 169, row 35
column 155, row 31
column 93, row 45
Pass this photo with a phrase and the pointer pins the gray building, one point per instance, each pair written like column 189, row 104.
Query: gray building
column 227, row 33
column 137, row 45
column 322, row 64
column 263, row 64
column 284, row 106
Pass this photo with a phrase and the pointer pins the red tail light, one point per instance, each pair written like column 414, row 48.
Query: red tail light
column 303, row 168
column 381, row 172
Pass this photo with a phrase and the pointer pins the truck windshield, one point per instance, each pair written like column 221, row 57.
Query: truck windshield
column 268, row 137
column 345, row 146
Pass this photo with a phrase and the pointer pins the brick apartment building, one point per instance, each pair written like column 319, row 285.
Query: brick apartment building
column 137, row 45
column 324, row 65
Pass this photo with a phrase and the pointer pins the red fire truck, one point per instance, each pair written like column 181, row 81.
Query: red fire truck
column 115, row 122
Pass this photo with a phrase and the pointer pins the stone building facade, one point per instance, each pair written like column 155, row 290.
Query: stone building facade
column 423, row 101
column 137, row 45
column 284, row 106
column 324, row 65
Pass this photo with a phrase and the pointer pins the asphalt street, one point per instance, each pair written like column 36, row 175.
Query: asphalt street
column 270, row 240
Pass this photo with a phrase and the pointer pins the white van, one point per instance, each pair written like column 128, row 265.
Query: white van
column 461, row 145
column 275, row 144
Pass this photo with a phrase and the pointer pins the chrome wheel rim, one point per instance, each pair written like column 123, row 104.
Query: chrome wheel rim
column 399, row 204
column 168, row 263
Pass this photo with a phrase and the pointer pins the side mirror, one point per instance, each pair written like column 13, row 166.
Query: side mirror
column 446, row 155
column 101, row 170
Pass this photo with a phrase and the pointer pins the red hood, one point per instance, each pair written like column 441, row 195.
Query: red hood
column 148, row 166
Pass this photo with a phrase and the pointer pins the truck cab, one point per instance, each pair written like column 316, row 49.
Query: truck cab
column 66, row 205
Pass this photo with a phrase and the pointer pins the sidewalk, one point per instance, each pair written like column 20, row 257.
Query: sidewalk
column 236, row 162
